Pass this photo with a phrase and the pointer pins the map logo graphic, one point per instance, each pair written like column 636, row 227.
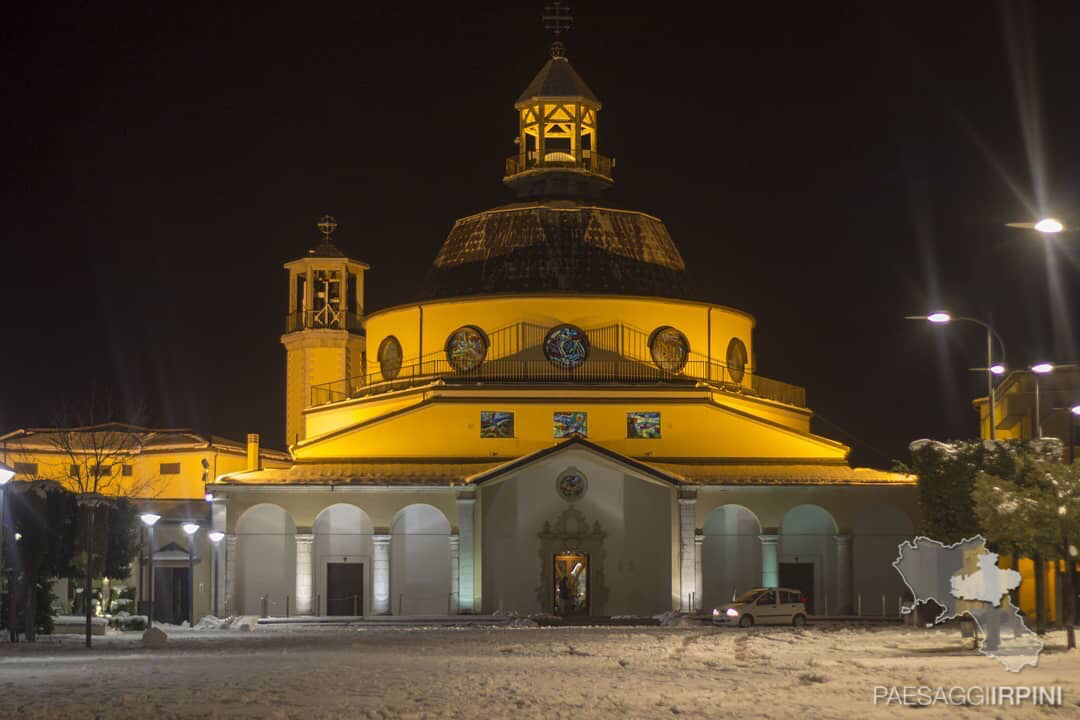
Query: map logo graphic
column 965, row 580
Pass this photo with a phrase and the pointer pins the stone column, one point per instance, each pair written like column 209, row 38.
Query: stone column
column 455, row 580
column 466, row 507
column 687, row 551
column 380, row 575
column 232, row 599
column 770, row 567
column 699, row 541
column 219, row 522
column 305, row 573
column 842, row 605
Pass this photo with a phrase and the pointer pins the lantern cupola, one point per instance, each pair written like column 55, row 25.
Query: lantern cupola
column 557, row 143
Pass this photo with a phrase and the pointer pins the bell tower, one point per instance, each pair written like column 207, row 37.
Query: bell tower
column 324, row 327
column 558, row 151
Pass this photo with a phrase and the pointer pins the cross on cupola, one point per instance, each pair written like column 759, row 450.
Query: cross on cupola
column 557, row 19
column 558, row 153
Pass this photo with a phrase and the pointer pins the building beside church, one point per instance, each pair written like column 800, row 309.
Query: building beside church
column 550, row 428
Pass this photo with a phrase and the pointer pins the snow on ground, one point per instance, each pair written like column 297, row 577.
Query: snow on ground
column 825, row 670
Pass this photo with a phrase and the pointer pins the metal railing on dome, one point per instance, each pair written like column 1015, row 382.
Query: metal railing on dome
column 614, row 370
column 583, row 159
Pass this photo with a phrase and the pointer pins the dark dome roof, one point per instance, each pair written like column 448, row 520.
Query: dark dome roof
column 558, row 246
column 558, row 79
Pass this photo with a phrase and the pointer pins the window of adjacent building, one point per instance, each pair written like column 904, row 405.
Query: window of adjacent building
column 25, row 468
column 128, row 470
column 567, row 424
column 496, row 424
column 644, row 425
column 102, row 470
column 75, row 471
column 170, row 468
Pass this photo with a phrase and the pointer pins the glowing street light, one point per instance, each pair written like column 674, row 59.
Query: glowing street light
column 942, row 317
column 1046, row 226
column 1042, row 368
column 149, row 519
column 1038, row 369
column 1049, row 226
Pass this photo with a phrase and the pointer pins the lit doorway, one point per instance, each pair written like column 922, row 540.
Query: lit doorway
column 571, row 575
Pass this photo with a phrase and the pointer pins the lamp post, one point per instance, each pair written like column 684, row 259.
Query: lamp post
column 216, row 537
column 190, row 529
column 1038, row 370
column 6, row 473
column 940, row 318
column 149, row 519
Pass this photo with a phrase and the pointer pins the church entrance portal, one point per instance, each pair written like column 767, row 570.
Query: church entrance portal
column 571, row 583
column 799, row 576
column 344, row 588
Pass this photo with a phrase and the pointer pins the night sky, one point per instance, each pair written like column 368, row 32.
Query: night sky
column 827, row 167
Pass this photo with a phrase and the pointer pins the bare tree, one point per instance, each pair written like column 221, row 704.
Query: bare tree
column 99, row 452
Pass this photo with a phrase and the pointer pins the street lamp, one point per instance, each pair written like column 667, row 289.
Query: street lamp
column 942, row 317
column 216, row 537
column 149, row 519
column 6, row 473
column 1075, row 410
column 1037, row 370
column 190, row 529
column 1046, row 226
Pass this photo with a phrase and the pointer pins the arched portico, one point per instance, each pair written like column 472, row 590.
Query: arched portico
column 420, row 562
column 731, row 553
column 265, row 561
column 806, row 558
column 342, row 561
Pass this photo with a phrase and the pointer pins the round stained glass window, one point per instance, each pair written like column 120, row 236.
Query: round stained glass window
column 566, row 346
column 736, row 360
column 390, row 357
column 669, row 349
column 466, row 348
column 571, row 484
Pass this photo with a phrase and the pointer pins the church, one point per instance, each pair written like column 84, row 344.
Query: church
column 550, row 428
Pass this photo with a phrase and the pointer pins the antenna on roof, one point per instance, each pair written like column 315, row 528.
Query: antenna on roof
column 557, row 19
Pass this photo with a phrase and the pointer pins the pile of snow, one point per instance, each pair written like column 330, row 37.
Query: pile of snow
column 154, row 637
column 672, row 618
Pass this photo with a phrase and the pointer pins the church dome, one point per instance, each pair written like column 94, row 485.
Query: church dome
column 557, row 245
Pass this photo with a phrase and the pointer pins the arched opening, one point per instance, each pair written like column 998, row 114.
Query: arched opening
column 342, row 561
column 807, row 556
column 420, row 562
column 730, row 554
column 265, row 561
column 877, row 535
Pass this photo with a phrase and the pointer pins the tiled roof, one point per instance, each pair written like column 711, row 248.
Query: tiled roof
column 364, row 473
column 781, row 474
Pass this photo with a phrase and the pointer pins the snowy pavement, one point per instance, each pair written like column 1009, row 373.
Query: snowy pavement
column 821, row 671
